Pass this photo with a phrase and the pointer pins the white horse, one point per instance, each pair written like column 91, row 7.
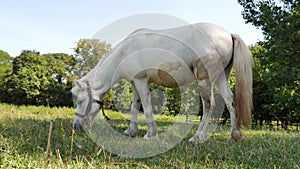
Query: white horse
column 173, row 57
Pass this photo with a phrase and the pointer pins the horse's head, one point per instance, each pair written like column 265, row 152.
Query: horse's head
column 86, row 106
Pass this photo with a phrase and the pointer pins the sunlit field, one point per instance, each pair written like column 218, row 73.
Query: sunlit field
column 24, row 143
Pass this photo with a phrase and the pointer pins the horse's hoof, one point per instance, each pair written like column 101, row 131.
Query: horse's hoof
column 198, row 139
column 231, row 140
column 236, row 135
column 129, row 133
column 151, row 137
column 192, row 140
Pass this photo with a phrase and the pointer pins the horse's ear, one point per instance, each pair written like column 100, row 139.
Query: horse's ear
column 79, row 84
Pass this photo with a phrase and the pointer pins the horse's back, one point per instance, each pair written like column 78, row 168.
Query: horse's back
column 170, row 55
column 198, row 39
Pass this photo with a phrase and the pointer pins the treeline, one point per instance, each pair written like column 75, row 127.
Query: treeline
column 46, row 79
column 276, row 89
column 35, row 79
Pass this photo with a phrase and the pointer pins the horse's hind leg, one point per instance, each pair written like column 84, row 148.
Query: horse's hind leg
column 206, row 92
column 135, row 108
column 142, row 88
column 226, row 93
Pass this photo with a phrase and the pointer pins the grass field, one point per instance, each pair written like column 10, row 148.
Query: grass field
column 24, row 136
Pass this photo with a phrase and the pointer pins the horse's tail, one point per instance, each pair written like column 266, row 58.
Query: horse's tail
column 242, row 60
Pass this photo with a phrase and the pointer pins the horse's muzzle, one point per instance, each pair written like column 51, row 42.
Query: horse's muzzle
column 77, row 126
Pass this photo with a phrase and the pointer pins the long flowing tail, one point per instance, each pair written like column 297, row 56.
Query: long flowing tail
column 242, row 60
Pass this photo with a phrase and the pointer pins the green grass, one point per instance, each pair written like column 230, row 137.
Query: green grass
column 24, row 135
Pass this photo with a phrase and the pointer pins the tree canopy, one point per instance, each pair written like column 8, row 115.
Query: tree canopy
column 276, row 87
column 39, row 79
column 35, row 79
column 5, row 63
column 88, row 52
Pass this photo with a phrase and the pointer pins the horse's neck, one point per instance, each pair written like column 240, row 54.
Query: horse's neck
column 101, row 76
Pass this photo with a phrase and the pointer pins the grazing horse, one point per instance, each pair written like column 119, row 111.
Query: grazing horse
column 173, row 57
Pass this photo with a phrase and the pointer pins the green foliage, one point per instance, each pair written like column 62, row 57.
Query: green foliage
column 88, row 53
column 40, row 79
column 276, row 86
column 122, row 96
column 159, row 99
column 173, row 101
column 5, row 68
column 5, row 63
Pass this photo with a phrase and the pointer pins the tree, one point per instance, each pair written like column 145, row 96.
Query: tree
column 23, row 84
column 280, row 54
column 40, row 79
column 5, row 63
column 5, row 68
column 88, row 53
column 61, row 77
column 261, row 90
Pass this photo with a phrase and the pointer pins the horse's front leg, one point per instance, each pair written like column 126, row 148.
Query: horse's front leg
column 142, row 88
column 135, row 108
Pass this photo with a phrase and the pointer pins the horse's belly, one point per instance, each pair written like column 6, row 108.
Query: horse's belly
column 171, row 74
column 166, row 80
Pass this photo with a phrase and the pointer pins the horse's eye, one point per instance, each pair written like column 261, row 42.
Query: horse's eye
column 79, row 101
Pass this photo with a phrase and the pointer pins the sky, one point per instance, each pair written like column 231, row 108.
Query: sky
column 55, row 26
